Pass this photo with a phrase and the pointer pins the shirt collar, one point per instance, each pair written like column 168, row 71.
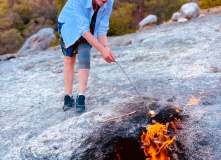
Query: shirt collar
column 89, row 5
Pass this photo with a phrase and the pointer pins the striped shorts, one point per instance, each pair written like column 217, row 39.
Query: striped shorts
column 80, row 47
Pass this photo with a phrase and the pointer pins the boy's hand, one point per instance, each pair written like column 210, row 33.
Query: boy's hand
column 108, row 48
column 108, row 55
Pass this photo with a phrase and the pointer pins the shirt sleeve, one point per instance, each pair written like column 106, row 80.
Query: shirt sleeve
column 104, row 22
column 81, row 19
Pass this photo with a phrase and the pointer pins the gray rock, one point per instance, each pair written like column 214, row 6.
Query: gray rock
column 176, row 16
column 6, row 57
column 206, row 47
column 39, row 41
column 190, row 10
column 149, row 19
column 164, row 64
column 201, row 15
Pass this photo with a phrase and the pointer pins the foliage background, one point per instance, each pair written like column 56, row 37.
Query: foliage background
column 20, row 19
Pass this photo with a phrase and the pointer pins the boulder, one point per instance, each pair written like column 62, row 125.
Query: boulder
column 190, row 10
column 39, row 41
column 176, row 16
column 175, row 63
column 149, row 19
column 6, row 57
column 182, row 20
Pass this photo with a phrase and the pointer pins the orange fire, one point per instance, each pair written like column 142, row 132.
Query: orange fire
column 118, row 157
column 174, row 125
column 155, row 142
column 201, row 92
column 178, row 123
column 194, row 101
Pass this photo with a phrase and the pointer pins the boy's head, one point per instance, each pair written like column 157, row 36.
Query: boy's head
column 101, row 2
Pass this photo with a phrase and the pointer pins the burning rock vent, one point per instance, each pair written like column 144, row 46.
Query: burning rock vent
column 122, row 139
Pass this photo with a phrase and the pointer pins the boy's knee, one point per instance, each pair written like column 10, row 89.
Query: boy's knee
column 84, row 65
column 69, row 60
column 84, row 57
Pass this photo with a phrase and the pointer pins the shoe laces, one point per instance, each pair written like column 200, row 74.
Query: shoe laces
column 68, row 99
column 81, row 100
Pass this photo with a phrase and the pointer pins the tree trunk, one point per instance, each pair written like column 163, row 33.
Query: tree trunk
column 141, row 10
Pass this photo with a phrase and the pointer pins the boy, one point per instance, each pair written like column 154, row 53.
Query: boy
column 81, row 25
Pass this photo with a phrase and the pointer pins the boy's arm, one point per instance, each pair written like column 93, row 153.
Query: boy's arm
column 103, row 41
column 103, row 28
column 106, row 53
column 83, row 26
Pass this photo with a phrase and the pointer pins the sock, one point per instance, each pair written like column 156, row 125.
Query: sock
column 70, row 95
column 81, row 94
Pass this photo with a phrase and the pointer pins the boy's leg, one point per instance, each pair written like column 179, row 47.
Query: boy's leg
column 83, row 66
column 68, row 71
column 83, row 73
column 68, row 81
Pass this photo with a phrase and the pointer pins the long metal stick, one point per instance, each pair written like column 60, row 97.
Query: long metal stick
column 133, row 86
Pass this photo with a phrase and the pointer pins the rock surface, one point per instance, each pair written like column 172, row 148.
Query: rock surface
column 6, row 57
column 168, row 65
column 182, row 20
column 149, row 19
column 190, row 10
column 39, row 41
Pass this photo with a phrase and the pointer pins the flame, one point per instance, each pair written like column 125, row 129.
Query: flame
column 155, row 141
column 178, row 123
column 177, row 110
column 176, row 105
column 194, row 101
column 174, row 125
column 118, row 157
column 201, row 92
column 178, row 120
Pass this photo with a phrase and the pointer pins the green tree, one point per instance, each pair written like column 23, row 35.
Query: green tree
column 10, row 41
column 60, row 4
column 6, row 15
column 46, row 9
column 24, row 18
column 204, row 4
column 24, row 10
column 36, row 24
column 16, row 14
column 121, row 20
column 163, row 9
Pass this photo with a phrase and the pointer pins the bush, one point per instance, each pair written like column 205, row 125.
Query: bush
column 204, row 4
column 10, row 41
column 163, row 9
column 36, row 24
column 60, row 4
column 56, row 42
column 121, row 20
column 124, row 18
column 173, row 6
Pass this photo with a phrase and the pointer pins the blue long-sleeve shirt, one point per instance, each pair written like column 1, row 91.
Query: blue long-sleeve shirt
column 77, row 15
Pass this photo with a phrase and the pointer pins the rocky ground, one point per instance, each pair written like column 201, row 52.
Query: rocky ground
column 168, row 64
